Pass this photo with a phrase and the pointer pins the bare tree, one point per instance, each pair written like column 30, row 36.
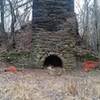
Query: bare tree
column 96, row 23
column 89, row 23
column 86, row 22
column 17, row 18
column 2, row 15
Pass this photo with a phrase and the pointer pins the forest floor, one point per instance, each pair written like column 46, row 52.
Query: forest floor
column 39, row 84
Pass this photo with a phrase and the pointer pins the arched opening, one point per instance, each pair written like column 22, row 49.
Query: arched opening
column 53, row 60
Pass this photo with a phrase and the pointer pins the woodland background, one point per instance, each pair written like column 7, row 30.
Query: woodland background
column 16, row 13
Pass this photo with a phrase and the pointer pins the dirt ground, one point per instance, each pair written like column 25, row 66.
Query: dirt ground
column 39, row 84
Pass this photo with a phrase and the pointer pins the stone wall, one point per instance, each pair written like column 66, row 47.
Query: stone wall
column 24, row 38
column 55, row 31
column 60, row 43
column 49, row 14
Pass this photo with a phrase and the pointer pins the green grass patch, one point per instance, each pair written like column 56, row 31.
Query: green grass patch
column 89, row 56
column 22, row 59
column 10, row 56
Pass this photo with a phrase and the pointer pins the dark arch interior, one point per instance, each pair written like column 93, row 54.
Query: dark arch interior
column 53, row 60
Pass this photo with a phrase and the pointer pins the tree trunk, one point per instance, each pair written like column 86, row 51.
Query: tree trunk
column 96, row 33
column 13, row 20
column 2, row 15
column 85, row 23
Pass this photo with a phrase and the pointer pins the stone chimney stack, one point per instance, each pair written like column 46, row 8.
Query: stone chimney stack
column 56, row 33
column 48, row 14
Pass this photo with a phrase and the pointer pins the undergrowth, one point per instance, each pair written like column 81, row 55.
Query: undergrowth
column 16, row 58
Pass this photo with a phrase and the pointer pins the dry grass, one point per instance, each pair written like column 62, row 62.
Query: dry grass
column 39, row 85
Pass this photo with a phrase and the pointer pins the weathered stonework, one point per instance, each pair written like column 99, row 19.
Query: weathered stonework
column 54, row 32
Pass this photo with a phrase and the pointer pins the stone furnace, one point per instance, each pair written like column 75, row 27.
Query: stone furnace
column 55, row 33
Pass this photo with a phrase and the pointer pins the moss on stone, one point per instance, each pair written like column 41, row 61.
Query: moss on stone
column 22, row 59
